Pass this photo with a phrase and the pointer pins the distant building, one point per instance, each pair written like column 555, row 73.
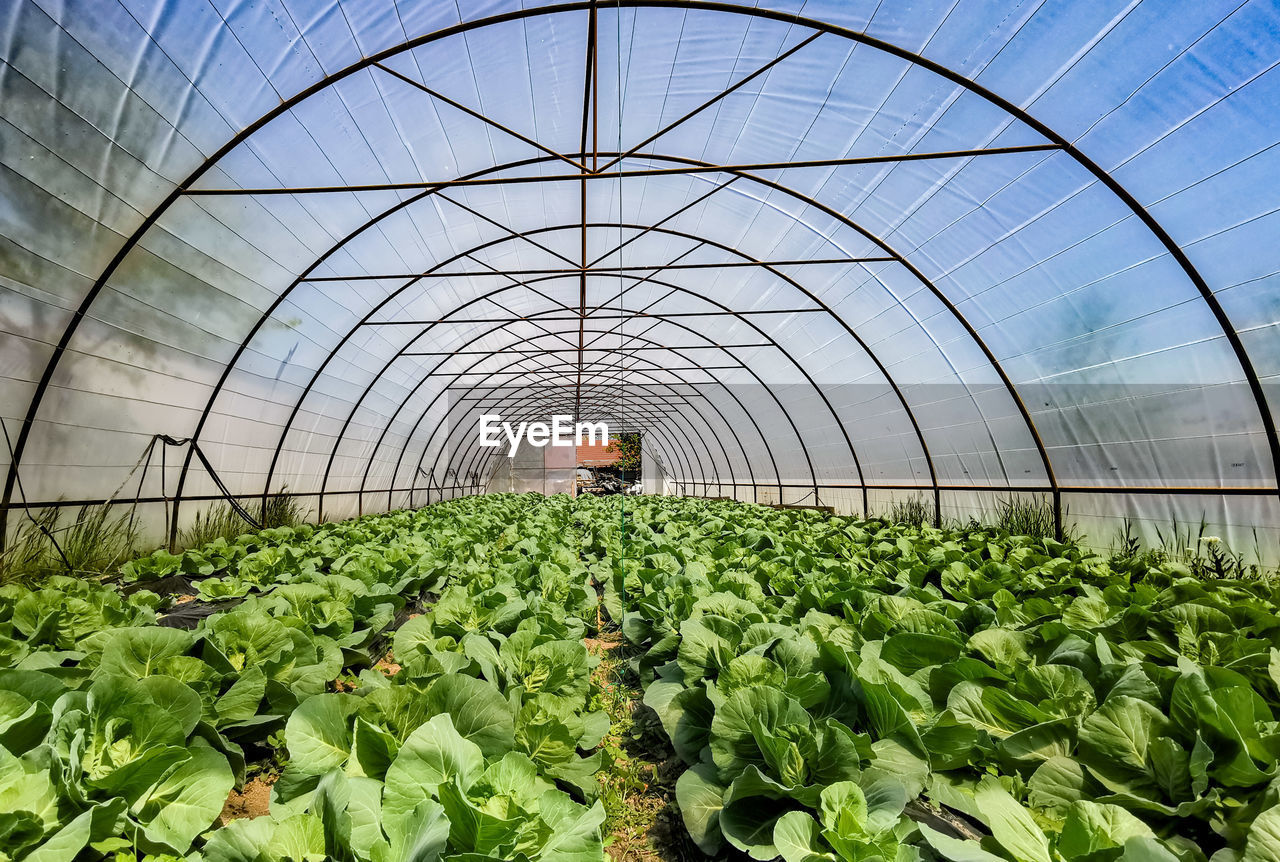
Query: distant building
column 596, row 456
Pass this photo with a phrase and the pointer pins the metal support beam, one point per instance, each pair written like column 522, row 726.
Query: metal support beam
column 1103, row 490
column 732, row 88
column 479, row 116
column 445, row 444
column 607, row 270
column 748, row 167
column 676, row 452
column 625, row 314
column 597, row 349
column 655, row 427
column 1057, row 141
column 782, row 409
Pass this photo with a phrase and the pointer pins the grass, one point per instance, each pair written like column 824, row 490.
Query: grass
column 28, row 551
column 1205, row 556
column 1018, row 516
column 623, row 780
column 913, row 511
column 221, row 521
column 639, row 769
column 1028, row 516
column 93, row 543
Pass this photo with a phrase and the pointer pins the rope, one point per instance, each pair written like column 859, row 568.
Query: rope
column 23, row 495
column 217, row 480
column 143, row 462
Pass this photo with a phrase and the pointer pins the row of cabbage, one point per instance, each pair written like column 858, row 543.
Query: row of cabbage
column 840, row 690
column 121, row 735
column 846, row 690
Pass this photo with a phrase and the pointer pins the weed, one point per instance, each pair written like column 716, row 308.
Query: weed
column 1029, row 516
column 97, row 542
column 634, row 791
column 913, row 512
column 1204, row 556
column 222, row 521
column 216, row 522
column 281, row 510
column 92, row 544
column 26, row 557
column 1126, row 546
column 99, row 538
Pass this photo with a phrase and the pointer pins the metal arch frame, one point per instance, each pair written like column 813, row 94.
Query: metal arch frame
column 804, row 199
column 676, row 350
column 681, row 396
column 650, row 426
column 524, row 358
column 324, row 364
column 821, row 306
column 544, row 386
column 489, row 355
column 511, row 235
column 356, row 404
column 655, row 425
column 607, row 350
column 609, row 404
column 657, row 435
column 265, row 316
column 773, row 343
column 776, row 345
column 479, row 462
column 913, row 58
column 676, row 449
column 521, row 404
column 476, row 460
column 591, row 113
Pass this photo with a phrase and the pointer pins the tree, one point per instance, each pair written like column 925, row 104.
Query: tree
column 627, row 448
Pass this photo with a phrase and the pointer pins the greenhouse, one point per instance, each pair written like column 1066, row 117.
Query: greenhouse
column 640, row 430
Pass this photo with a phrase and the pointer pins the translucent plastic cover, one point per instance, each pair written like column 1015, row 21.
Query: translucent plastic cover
column 829, row 253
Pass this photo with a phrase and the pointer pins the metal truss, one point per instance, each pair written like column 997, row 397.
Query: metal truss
column 590, row 163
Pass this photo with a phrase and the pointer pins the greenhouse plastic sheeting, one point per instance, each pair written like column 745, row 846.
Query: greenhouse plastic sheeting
column 830, row 253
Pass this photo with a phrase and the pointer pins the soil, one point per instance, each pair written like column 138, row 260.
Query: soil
column 633, row 845
column 652, row 830
column 608, row 641
column 253, row 800
column 387, row 665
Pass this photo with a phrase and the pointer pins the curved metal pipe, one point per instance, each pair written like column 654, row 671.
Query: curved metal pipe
column 732, row 431
column 799, row 437
column 956, row 78
column 521, row 403
column 676, row 350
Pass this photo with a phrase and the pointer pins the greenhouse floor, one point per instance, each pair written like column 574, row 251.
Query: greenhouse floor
column 541, row 678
